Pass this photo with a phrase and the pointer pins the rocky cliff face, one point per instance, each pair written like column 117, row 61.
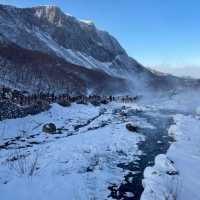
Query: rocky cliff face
column 42, row 48
column 34, row 28
column 36, row 72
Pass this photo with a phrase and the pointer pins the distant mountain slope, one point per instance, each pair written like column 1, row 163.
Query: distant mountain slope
column 42, row 48
column 34, row 71
column 48, row 29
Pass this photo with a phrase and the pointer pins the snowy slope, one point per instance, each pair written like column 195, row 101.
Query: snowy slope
column 77, row 164
column 73, row 56
column 83, row 161
column 32, row 28
column 48, row 30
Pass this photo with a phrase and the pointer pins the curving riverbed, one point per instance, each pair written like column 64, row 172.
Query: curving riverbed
column 157, row 141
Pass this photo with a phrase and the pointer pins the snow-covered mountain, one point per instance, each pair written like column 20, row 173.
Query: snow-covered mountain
column 42, row 48
column 90, row 148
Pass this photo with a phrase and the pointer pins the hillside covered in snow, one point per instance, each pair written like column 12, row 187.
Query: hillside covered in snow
column 42, row 47
column 93, row 155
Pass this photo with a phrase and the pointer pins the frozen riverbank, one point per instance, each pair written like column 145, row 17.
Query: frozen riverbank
column 175, row 176
column 100, row 159
column 156, row 141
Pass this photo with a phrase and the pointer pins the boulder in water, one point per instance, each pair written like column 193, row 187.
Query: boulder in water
column 131, row 127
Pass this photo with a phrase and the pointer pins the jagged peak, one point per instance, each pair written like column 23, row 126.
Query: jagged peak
column 44, row 8
column 52, row 12
column 56, row 9
column 47, row 8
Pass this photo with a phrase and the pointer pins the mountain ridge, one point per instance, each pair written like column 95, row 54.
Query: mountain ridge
column 96, row 57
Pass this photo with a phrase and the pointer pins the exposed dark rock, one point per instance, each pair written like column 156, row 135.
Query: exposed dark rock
column 172, row 173
column 104, row 101
column 64, row 103
column 49, row 128
column 131, row 127
column 123, row 113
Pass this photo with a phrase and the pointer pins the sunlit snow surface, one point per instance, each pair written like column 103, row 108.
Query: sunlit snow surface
column 74, row 165
column 81, row 163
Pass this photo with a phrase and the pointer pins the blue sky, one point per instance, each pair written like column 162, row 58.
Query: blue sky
column 155, row 32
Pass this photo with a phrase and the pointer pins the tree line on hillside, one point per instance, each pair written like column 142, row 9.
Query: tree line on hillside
column 23, row 98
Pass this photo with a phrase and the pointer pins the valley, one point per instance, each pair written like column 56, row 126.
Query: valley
column 82, row 120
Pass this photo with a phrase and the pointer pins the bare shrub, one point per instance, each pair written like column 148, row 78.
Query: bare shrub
column 22, row 163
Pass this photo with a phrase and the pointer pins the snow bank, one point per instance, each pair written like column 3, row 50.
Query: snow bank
column 62, row 116
column 81, row 166
column 176, row 176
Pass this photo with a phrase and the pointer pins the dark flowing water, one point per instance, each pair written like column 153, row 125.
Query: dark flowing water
column 156, row 142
